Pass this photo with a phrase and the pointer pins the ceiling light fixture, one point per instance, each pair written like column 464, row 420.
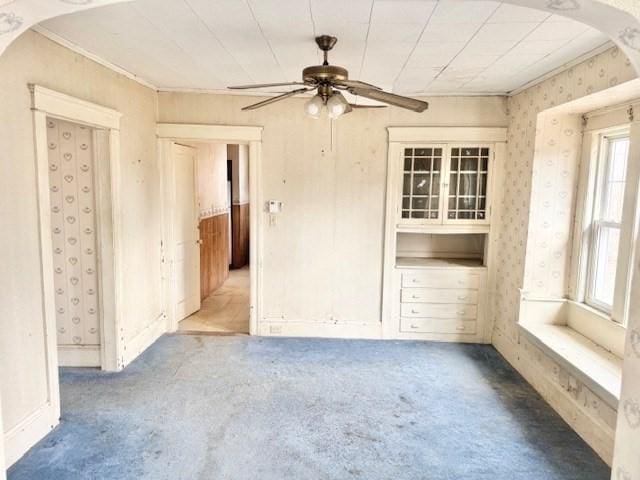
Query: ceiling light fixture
column 329, row 81
column 314, row 106
column 337, row 105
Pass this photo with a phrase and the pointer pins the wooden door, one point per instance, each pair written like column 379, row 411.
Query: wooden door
column 187, row 249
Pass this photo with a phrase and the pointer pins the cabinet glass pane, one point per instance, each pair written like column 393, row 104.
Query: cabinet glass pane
column 419, row 203
column 421, row 182
column 468, row 183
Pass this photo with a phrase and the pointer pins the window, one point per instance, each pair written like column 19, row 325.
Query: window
column 605, row 244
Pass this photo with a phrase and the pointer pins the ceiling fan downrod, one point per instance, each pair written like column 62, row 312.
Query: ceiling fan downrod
column 326, row 43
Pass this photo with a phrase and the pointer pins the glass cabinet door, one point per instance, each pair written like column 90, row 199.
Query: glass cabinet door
column 421, row 183
column 468, row 180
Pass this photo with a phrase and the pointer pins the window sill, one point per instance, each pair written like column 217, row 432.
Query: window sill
column 596, row 326
column 598, row 369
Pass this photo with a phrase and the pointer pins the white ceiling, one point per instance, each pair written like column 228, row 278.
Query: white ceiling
column 406, row 46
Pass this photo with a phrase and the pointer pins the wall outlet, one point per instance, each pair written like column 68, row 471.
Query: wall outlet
column 276, row 329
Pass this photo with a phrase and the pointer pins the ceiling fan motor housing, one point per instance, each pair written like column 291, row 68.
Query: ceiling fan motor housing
column 319, row 74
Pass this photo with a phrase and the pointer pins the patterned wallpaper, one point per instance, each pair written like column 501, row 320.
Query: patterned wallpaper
column 627, row 451
column 554, row 180
column 598, row 73
column 549, row 181
column 73, row 230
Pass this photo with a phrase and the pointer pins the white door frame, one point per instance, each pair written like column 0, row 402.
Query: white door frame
column 106, row 125
column 243, row 135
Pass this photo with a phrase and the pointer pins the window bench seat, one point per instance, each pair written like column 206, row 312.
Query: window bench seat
column 599, row 369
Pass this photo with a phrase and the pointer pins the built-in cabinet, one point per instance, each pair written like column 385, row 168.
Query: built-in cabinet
column 438, row 232
column 445, row 184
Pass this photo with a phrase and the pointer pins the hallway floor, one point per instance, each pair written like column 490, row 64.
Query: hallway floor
column 224, row 311
column 245, row 408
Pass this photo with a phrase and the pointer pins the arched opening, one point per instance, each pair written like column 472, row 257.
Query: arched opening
column 330, row 175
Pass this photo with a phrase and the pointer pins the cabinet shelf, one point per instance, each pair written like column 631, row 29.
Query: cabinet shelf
column 441, row 229
column 415, row 262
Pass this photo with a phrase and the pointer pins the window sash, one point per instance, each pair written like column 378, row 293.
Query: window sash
column 597, row 224
column 596, row 269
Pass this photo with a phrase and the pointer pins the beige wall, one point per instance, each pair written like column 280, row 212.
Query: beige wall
column 580, row 407
column 323, row 259
column 34, row 59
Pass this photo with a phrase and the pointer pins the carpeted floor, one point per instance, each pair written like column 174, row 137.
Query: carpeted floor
column 236, row 408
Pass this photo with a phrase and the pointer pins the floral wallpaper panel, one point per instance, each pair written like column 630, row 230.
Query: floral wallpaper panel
column 554, row 180
column 73, row 230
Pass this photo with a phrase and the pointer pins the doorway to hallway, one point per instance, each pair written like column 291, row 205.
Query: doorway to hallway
column 212, row 219
column 226, row 310
column 227, row 220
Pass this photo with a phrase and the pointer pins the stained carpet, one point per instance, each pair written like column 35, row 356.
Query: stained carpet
column 205, row 407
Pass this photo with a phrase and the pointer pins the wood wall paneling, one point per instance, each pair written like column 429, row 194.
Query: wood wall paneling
column 214, row 253
column 240, row 235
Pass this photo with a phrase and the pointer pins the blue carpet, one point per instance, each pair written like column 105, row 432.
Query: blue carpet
column 203, row 407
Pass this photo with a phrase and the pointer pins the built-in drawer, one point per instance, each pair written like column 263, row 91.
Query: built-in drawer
column 441, row 279
column 437, row 325
column 439, row 295
column 438, row 310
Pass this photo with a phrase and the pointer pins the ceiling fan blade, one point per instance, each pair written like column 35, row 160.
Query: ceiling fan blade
column 353, row 105
column 276, row 99
column 391, row 99
column 355, row 84
column 264, row 85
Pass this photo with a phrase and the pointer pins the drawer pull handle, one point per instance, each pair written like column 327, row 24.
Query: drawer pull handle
column 460, row 282
column 414, row 296
column 414, row 280
column 460, row 327
column 462, row 312
column 462, row 297
column 414, row 311
column 414, row 326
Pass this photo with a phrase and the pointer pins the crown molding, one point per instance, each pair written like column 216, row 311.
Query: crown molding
column 565, row 66
column 247, row 93
column 99, row 60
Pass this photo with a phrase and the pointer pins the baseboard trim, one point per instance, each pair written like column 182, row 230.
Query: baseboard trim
column 143, row 340
column 33, row 428
column 79, row 356
column 274, row 328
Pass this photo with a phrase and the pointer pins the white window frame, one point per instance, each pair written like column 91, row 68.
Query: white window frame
column 595, row 151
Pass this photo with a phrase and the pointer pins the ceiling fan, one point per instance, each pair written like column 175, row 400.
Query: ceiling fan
column 329, row 81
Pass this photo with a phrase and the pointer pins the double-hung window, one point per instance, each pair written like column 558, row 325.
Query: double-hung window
column 608, row 249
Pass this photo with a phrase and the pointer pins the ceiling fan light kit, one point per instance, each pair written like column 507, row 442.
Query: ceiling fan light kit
column 329, row 81
column 313, row 107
